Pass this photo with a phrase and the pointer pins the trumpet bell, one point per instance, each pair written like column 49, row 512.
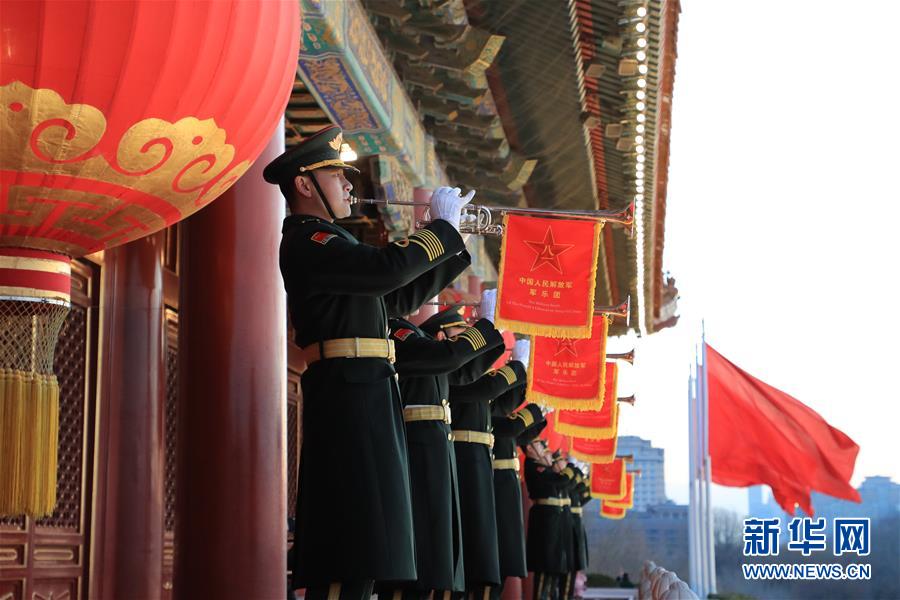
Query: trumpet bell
column 625, row 356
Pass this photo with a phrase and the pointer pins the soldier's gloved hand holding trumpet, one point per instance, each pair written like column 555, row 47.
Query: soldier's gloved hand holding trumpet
column 522, row 351
column 447, row 204
column 487, row 305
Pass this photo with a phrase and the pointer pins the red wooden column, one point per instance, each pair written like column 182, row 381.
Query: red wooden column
column 230, row 531
column 128, row 545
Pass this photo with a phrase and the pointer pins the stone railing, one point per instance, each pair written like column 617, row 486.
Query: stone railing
column 659, row 584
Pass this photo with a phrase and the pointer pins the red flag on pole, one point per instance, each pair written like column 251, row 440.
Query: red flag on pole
column 758, row 434
column 548, row 271
column 569, row 373
column 608, row 480
column 594, row 424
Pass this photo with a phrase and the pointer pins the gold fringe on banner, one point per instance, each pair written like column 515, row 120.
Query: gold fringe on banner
column 578, row 332
column 599, row 459
column 29, row 437
column 622, row 485
column 616, row 516
column 559, row 403
column 589, row 433
column 626, row 501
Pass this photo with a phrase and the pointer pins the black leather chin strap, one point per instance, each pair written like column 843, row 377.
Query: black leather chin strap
column 322, row 198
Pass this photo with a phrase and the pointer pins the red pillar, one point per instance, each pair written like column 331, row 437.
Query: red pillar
column 231, row 527
column 130, row 457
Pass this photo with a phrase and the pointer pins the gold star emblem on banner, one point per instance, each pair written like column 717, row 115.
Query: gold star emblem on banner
column 566, row 345
column 547, row 252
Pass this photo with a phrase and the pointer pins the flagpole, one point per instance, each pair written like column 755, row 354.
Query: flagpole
column 702, row 497
column 693, row 555
column 710, row 532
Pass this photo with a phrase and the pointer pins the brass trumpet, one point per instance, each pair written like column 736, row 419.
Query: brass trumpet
column 478, row 219
column 626, row 399
column 622, row 309
column 626, row 356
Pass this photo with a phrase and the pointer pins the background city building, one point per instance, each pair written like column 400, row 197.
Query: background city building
column 650, row 487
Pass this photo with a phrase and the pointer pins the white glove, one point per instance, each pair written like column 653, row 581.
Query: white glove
column 488, row 304
column 447, row 204
column 522, row 351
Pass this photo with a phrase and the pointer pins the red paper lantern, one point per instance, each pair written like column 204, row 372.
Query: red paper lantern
column 117, row 119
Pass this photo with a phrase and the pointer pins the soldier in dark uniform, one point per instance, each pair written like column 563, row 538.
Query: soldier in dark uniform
column 511, row 428
column 471, row 411
column 577, row 556
column 580, row 495
column 547, row 546
column 424, row 365
column 354, row 524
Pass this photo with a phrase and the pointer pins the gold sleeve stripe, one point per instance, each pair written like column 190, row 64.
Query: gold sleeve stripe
column 476, row 343
column 422, row 245
column 568, row 472
column 429, row 241
column 468, row 339
column 526, row 417
column 508, row 374
column 439, row 246
column 477, row 335
column 420, row 235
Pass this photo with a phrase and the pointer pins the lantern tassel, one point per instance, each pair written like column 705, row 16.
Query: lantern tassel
column 29, row 439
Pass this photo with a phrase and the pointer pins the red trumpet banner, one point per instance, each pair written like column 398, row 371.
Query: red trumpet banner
column 611, row 512
column 594, row 451
column 608, row 480
column 594, row 424
column 626, row 500
column 548, row 272
column 569, row 373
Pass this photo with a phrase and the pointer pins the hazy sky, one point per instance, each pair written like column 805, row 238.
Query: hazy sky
column 783, row 220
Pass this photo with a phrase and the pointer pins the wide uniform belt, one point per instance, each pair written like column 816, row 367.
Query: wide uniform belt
column 553, row 501
column 350, row 348
column 427, row 412
column 576, row 510
column 474, row 437
column 506, row 463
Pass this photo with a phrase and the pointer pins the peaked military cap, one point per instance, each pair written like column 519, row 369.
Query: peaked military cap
column 444, row 319
column 320, row 150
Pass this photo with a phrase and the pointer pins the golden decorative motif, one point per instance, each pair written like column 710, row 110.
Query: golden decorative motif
column 54, row 554
column 65, row 190
column 336, row 142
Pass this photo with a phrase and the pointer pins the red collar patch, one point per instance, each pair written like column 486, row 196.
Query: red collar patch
column 402, row 334
column 322, row 237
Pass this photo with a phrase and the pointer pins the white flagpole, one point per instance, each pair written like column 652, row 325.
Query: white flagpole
column 693, row 513
column 710, row 532
column 702, row 497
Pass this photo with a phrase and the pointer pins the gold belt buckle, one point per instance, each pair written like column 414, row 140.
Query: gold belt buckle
column 446, row 408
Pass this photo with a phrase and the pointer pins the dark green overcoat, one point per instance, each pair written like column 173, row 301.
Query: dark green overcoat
column 354, row 516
